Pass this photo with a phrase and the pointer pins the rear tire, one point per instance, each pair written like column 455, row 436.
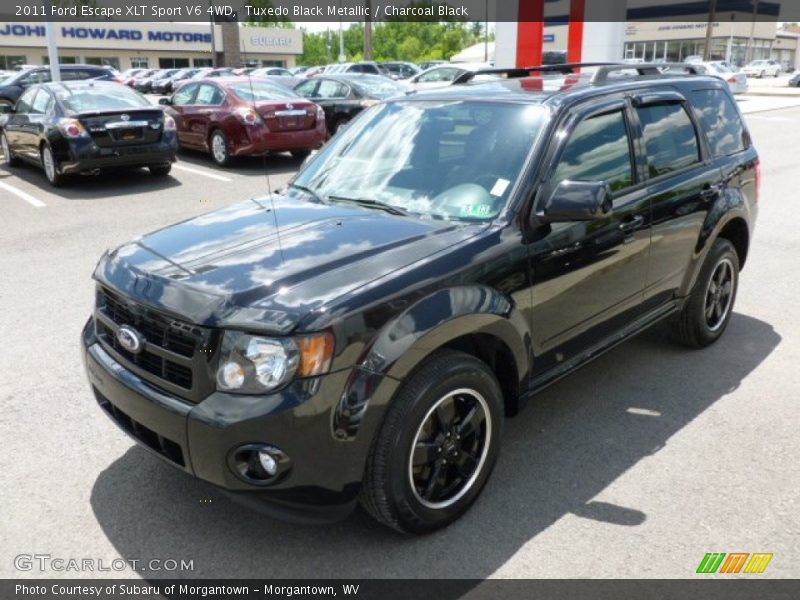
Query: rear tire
column 50, row 167
column 218, row 144
column 160, row 170
column 8, row 156
column 436, row 448
column 301, row 154
column 708, row 310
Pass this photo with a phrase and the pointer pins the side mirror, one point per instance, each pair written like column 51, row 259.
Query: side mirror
column 165, row 101
column 577, row 201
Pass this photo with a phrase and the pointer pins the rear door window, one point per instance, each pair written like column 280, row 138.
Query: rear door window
column 721, row 122
column 669, row 137
column 41, row 102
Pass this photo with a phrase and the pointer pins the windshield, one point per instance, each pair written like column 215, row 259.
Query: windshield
column 441, row 159
column 258, row 90
column 107, row 97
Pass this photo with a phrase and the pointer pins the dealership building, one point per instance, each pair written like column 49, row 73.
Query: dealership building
column 125, row 45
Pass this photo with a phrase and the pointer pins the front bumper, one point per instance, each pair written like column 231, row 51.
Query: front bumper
column 323, row 482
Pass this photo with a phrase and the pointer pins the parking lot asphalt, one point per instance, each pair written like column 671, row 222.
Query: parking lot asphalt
column 635, row 466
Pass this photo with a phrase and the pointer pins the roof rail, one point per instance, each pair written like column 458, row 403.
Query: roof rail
column 599, row 76
column 518, row 72
column 641, row 69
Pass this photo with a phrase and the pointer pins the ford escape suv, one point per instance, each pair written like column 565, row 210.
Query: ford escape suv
column 362, row 334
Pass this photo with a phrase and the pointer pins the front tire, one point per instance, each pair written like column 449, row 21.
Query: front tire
column 437, row 446
column 707, row 311
column 50, row 167
column 218, row 143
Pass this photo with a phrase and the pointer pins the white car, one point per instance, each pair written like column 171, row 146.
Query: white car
column 737, row 81
column 443, row 75
column 762, row 68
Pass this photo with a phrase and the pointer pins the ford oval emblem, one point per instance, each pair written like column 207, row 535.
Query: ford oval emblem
column 130, row 339
column 125, row 117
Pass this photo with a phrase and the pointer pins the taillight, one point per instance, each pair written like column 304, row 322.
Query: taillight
column 248, row 115
column 169, row 123
column 758, row 178
column 72, row 128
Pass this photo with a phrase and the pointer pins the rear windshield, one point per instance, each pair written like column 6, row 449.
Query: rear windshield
column 107, row 97
column 258, row 90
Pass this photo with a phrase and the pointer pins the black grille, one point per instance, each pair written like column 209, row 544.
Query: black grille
column 177, row 355
column 165, row 447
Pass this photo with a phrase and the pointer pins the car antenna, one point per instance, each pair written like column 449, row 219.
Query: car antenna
column 266, row 169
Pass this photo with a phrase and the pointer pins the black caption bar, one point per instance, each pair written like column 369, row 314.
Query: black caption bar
column 440, row 589
column 555, row 11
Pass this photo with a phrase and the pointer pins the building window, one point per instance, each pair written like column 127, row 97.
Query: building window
column 273, row 63
column 139, row 63
column 63, row 60
column 103, row 61
column 173, row 63
column 202, row 62
column 9, row 62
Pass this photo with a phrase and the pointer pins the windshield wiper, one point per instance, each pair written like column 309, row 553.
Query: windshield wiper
column 307, row 190
column 370, row 203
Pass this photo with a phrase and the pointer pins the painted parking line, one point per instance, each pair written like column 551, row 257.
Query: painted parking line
column 204, row 173
column 24, row 195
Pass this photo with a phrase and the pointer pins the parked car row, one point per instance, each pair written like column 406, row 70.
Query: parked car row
column 83, row 126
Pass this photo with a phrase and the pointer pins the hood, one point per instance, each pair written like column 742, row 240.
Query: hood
column 235, row 268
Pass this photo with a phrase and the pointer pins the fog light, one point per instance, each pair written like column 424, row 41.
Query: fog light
column 268, row 463
column 259, row 464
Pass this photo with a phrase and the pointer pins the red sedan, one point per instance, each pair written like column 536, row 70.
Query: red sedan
column 231, row 117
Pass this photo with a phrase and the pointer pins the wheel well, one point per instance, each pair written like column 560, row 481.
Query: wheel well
column 495, row 353
column 737, row 234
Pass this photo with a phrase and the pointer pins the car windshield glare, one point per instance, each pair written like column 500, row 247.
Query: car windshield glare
column 97, row 99
column 440, row 159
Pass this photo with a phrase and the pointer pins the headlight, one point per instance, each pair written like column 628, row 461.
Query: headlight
column 255, row 364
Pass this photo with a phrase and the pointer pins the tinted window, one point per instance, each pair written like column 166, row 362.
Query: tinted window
column 184, row 94
column 209, row 95
column 721, row 122
column 598, row 150
column 41, row 76
column 669, row 137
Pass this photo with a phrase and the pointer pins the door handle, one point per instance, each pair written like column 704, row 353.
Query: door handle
column 711, row 191
column 632, row 224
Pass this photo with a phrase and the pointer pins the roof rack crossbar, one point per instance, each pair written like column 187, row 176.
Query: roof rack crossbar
column 642, row 69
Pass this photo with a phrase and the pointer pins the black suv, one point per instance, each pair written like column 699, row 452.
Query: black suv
column 12, row 89
column 363, row 334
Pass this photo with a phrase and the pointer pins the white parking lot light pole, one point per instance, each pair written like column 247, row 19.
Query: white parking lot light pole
column 52, row 51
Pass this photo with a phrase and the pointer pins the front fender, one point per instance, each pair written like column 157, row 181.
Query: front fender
column 407, row 339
